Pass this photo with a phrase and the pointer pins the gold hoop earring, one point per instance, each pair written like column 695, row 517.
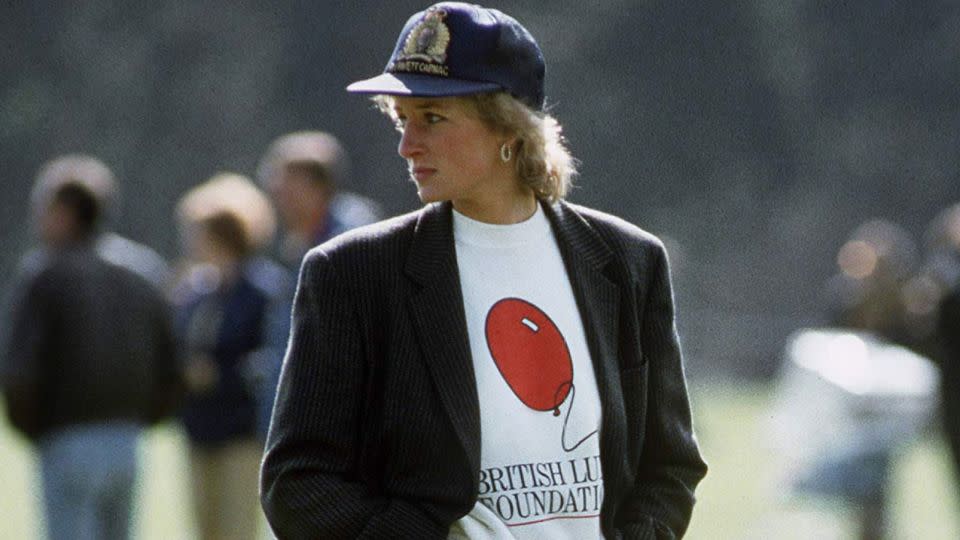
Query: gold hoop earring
column 506, row 152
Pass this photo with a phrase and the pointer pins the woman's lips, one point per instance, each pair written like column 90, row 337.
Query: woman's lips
column 421, row 173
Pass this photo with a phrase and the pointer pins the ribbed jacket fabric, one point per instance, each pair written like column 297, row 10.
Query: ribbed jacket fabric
column 376, row 431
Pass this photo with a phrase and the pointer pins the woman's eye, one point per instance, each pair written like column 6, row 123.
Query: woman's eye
column 433, row 118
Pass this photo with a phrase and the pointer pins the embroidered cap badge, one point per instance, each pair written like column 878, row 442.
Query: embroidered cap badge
column 425, row 49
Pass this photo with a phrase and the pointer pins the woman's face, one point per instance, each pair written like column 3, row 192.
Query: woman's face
column 450, row 153
column 204, row 247
column 299, row 199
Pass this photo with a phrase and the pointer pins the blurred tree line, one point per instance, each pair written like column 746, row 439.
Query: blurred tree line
column 753, row 136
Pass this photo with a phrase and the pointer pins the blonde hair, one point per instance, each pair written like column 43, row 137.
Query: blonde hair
column 233, row 195
column 541, row 158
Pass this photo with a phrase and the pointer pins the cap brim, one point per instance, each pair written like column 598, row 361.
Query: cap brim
column 417, row 85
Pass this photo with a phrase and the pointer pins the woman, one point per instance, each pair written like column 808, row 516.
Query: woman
column 222, row 302
column 498, row 364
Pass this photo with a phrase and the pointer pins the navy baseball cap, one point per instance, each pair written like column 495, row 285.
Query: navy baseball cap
column 456, row 49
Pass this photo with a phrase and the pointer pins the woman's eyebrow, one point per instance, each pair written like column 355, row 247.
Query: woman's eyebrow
column 432, row 104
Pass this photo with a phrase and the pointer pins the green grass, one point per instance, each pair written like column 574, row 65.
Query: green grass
column 739, row 499
column 162, row 506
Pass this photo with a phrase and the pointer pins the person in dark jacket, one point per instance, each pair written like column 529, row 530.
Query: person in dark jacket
column 90, row 360
column 499, row 364
column 222, row 304
column 111, row 246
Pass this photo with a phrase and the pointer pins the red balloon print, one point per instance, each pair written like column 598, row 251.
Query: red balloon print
column 530, row 353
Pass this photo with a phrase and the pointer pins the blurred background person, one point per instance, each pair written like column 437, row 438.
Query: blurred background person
column 876, row 264
column 222, row 301
column 91, row 355
column 945, row 265
column 936, row 276
column 99, row 179
column 305, row 173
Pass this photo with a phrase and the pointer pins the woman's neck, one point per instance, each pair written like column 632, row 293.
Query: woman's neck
column 501, row 209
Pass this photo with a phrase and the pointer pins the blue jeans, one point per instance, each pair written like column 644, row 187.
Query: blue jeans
column 88, row 474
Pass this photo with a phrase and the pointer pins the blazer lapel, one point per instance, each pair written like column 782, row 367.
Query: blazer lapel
column 441, row 326
column 586, row 257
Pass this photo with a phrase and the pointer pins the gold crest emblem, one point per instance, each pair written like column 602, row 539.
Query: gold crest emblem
column 425, row 49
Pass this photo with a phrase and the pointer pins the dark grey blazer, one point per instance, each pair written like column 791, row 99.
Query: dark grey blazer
column 376, row 427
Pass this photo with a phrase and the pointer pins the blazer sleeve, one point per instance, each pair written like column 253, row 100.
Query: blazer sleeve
column 311, row 485
column 670, row 466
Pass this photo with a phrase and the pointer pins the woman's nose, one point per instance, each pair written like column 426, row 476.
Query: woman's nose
column 410, row 143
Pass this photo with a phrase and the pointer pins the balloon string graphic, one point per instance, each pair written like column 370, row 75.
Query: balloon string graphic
column 566, row 420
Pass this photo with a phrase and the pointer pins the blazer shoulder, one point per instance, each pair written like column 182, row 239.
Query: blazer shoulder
column 370, row 236
column 360, row 252
column 623, row 237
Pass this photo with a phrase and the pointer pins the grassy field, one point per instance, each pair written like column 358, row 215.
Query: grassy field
column 739, row 499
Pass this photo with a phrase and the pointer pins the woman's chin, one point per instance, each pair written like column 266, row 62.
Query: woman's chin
column 428, row 196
